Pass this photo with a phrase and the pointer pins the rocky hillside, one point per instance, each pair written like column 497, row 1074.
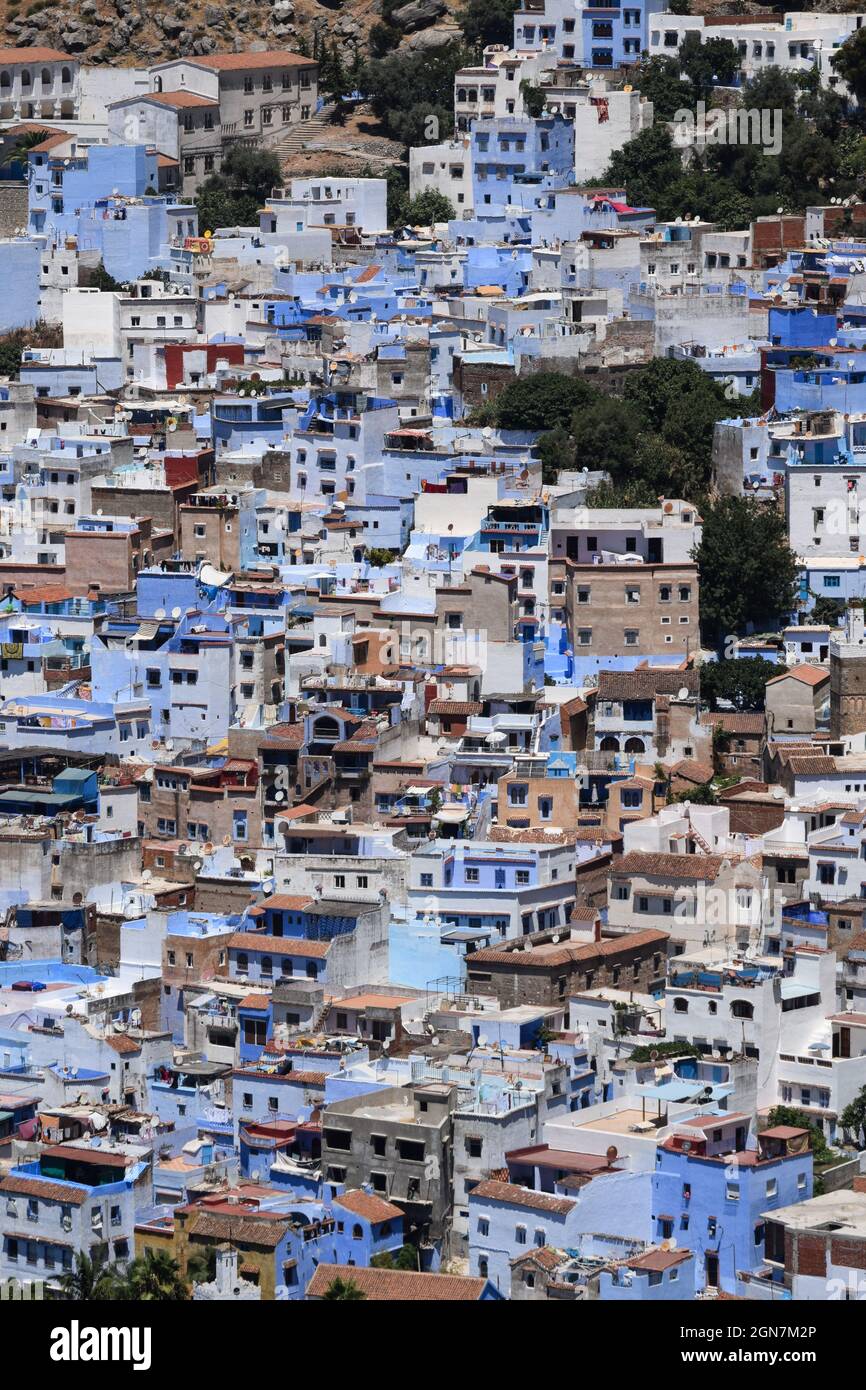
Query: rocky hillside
column 138, row 32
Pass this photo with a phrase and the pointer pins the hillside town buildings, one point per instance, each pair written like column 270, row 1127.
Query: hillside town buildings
column 384, row 898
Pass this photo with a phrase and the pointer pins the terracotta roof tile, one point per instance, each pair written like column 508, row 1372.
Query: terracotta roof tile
column 398, row 1285
column 48, row 1191
column 645, row 683
column 701, row 868
column 367, row 1204
column 277, row 945
column 517, row 1196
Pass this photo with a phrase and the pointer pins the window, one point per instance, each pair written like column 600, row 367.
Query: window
column 520, row 1235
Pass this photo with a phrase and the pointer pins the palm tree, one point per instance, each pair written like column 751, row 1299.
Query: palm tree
column 91, row 1280
column 345, row 1290
column 23, row 143
column 201, row 1266
column 155, row 1277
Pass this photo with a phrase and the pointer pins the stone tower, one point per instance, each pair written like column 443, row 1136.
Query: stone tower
column 848, row 676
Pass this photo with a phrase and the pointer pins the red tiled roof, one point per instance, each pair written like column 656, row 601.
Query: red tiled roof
column 367, row 1204
column 645, row 683
column 125, row 1046
column 809, row 675
column 242, row 62
column 455, row 707
column 659, row 1260
column 277, row 945
column 546, row 957
column 514, row 1195
column 398, row 1285
column 10, row 56
column 49, row 1191
column 181, row 99
column 282, row 902
column 703, row 868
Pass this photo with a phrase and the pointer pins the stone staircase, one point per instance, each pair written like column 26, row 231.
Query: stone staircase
column 299, row 137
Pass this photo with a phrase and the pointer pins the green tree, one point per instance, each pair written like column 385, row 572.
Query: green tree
column 343, row 1290
column 406, row 1258
column 487, row 21
column 850, row 63
column 605, row 435
column 379, row 556
column 99, row 279
column 853, row 1117
column 25, row 140
column 661, row 81
column 383, row 38
column 747, row 569
column 541, row 402
column 232, row 197
column 708, row 63
column 534, row 99
column 645, row 165
column 156, row 1278
column 91, row 1280
column 412, row 93
column 798, row 1119
column 12, row 344
column 427, row 207
column 556, row 451
column 740, row 682
column 827, row 610
column 201, row 1265
column 697, row 796
column 633, row 492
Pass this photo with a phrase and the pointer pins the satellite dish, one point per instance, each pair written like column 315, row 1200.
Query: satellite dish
column 435, row 1040
column 682, row 693
column 175, row 613
column 160, row 613
column 482, row 1039
column 612, row 1154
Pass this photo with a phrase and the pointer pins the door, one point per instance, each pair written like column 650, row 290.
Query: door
column 711, row 1269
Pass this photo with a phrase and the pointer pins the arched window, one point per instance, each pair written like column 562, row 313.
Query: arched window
column 267, row 965
column 357, row 1232
column 741, row 1008
column 47, row 77
column 66, row 76
column 681, row 1006
column 5, row 80
column 157, row 84
column 243, row 962
column 25, row 77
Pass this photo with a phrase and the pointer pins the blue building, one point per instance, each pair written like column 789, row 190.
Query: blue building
column 515, row 161
column 602, row 36
column 107, row 199
column 710, row 1192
